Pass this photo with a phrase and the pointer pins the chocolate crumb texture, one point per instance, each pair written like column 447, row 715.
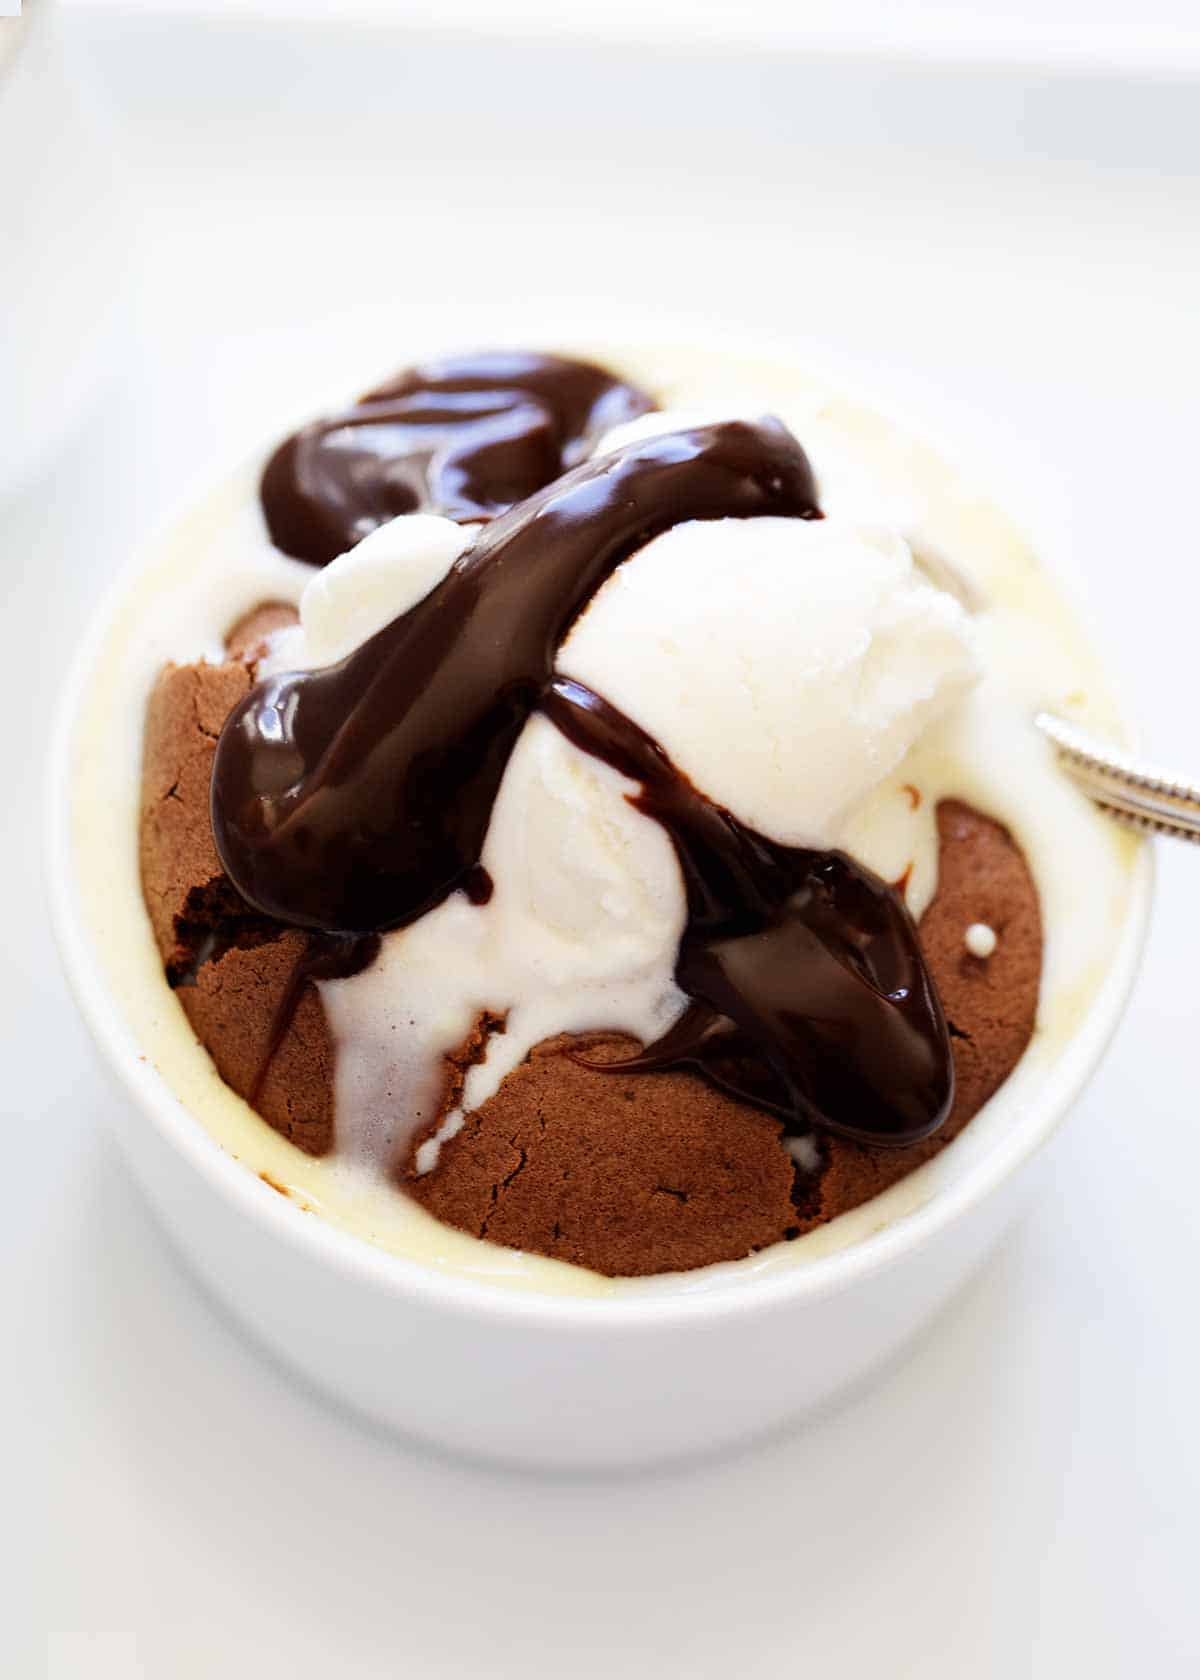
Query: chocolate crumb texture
column 624, row 1173
column 229, row 966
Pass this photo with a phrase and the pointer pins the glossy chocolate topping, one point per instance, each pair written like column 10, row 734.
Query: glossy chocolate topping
column 468, row 436
column 355, row 798
column 810, row 996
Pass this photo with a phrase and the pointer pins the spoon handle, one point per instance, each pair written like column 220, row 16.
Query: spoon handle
column 1150, row 799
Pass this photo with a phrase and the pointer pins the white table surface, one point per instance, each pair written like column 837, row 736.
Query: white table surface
column 1015, row 260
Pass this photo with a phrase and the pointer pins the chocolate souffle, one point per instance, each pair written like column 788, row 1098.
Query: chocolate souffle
column 814, row 1042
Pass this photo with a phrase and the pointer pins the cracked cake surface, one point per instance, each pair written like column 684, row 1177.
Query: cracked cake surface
column 229, row 966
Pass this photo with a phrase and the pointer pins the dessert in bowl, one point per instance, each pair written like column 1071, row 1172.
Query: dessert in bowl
column 569, row 837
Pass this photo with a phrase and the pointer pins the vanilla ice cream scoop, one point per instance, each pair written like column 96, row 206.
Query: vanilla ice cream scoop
column 352, row 597
column 785, row 665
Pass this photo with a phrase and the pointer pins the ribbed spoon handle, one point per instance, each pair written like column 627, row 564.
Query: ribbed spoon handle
column 1149, row 798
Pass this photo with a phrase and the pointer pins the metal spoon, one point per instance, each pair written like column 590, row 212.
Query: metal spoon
column 1147, row 798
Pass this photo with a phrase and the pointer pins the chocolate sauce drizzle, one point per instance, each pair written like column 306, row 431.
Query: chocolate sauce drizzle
column 468, row 436
column 354, row 799
column 810, row 996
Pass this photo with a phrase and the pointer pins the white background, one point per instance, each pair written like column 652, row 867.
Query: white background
column 1014, row 256
column 1162, row 36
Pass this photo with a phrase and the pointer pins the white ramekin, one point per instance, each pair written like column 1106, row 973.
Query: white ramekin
column 546, row 1380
